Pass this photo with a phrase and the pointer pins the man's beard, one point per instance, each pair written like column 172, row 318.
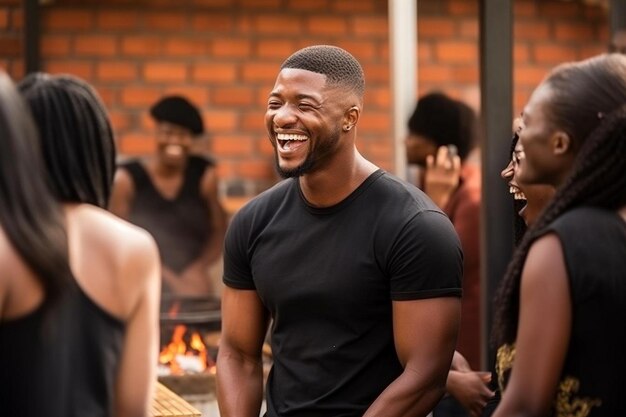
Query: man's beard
column 314, row 159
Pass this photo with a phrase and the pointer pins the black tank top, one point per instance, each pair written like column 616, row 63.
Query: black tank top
column 61, row 361
column 181, row 226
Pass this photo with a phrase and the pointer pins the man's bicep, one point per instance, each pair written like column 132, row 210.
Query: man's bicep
column 244, row 321
column 425, row 332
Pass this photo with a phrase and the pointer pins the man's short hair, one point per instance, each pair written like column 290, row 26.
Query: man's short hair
column 338, row 65
column 178, row 111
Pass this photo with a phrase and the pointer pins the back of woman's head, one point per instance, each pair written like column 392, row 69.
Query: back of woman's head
column 76, row 136
column 29, row 214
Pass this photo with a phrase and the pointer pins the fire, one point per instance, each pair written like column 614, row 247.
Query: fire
column 180, row 358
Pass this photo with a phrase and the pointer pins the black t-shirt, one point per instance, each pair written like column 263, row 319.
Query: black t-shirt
column 329, row 276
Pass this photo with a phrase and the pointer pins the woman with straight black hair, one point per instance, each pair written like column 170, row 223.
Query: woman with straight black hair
column 560, row 309
column 79, row 288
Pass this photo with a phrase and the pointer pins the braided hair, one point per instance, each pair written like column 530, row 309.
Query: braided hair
column 76, row 137
column 29, row 214
column 589, row 103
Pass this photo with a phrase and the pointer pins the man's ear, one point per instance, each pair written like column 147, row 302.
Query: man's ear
column 561, row 143
column 351, row 117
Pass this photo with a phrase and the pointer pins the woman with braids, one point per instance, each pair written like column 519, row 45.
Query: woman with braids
column 561, row 305
column 79, row 288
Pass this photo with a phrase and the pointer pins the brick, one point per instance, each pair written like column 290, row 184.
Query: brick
column 279, row 48
column 245, row 25
column 186, row 47
column 463, row 7
column 531, row 30
column 525, row 8
column 434, row 73
column 378, row 97
column 55, row 45
column 424, row 52
column 521, row 52
column 554, row 53
column 10, row 45
column 430, row 27
column 352, row 6
column 117, row 19
column 214, row 4
column 231, row 48
column 107, row 95
column 376, row 72
column 16, row 69
column 232, row 145
column 457, row 52
column 370, row 26
column 136, row 144
column 380, row 152
column 142, row 45
column 10, row 2
column 374, row 122
column 142, row 97
column 310, row 5
column 559, row 10
column 60, row 19
column 165, row 21
column 466, row 74
column 16, row 21
column 587, row 51
column 256, row 169
column 225, row 170
column 199, row 95
column 362, row 50
column 278, row 25
column 225, row 96
column 259, row 4
column 164, row 72
column 253, row 120
column 221, row 120
column 95, row 45
column 213, row 23
column 116, row 71
column 323, row 25
column 525, row 76
column 568, row 31
column 469, row 29
column 255, row 71
column 214, row 72
column 520, row 98
column 4, row 19
column 119, row 120
column 82, row 69
column 264, row 146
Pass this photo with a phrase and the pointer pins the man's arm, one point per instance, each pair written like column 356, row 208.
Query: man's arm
column 122, row 194
column 425, row 334
column 239, row 361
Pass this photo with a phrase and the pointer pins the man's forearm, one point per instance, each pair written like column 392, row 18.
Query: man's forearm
column 239, row 386
column 407, row 397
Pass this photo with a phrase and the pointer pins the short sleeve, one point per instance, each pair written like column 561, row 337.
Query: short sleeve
column 426, row 260
column 237, row 272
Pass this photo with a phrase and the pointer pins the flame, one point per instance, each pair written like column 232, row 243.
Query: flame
column 170, row 355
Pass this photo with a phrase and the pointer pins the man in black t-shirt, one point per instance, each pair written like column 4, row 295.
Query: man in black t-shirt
column 359, row 272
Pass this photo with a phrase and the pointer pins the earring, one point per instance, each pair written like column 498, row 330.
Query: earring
column 346, row 128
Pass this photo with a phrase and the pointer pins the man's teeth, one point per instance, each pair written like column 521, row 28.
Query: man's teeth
column 283, row 136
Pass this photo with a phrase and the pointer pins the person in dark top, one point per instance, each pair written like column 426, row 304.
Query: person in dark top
column 174, row 197
column 79, row 288
column 359, row 271
column 560, row 307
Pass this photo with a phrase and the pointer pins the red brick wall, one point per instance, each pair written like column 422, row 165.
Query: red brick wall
column 224, row 55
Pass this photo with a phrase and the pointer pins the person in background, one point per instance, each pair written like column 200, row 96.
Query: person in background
column 359, row 271
column 440, row 124
column 560, row 307
column 174, row 195
column 79, row 288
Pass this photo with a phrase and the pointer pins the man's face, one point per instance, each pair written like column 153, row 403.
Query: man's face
column 304, row 121
column 418, row 147
column 173, row 143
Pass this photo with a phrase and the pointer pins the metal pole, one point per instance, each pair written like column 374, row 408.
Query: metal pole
column 403, row 60
column 618, row 15
column 31, row 36
column 496, row 22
